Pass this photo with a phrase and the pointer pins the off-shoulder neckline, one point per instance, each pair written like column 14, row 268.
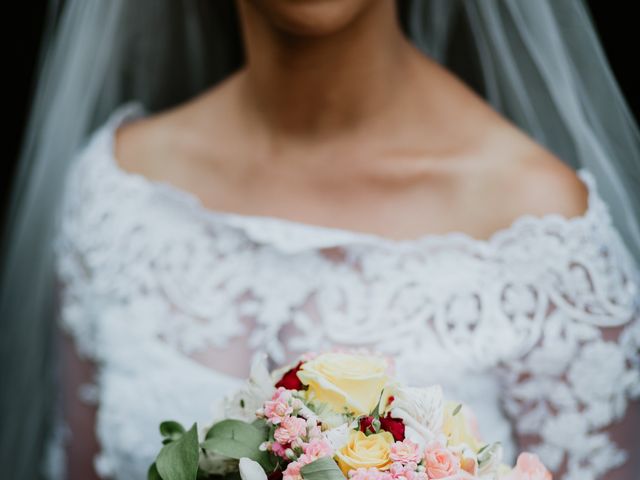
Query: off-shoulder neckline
column 304, row 235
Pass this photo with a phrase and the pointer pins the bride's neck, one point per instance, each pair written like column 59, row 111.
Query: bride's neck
column 315, row 86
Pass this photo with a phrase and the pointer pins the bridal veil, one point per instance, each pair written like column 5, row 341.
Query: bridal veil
column 539, row 62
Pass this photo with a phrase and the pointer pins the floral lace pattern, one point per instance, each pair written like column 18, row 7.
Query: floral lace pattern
column 152, row 277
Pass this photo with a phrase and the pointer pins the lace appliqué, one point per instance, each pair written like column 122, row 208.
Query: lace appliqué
column 577, row 380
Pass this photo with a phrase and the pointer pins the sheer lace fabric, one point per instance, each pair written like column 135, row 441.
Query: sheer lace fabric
column 163, row 293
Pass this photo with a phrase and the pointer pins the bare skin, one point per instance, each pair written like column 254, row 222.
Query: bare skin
column 337, row 120
column 332, row 134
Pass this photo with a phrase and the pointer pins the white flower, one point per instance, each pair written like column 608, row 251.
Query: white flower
column 421, row 410
column 243, row 404
column 251, row 470
column 489, row 460
column 306, row 412
column 338, row 436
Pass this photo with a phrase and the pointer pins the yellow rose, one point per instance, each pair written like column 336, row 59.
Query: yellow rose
column 346, row 382
column 366, row 451
column 461, row 427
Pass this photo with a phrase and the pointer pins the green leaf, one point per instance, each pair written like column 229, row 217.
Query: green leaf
column 237, row 439
column 483, row 449
column 261, row 424
column 152, row 473
column 178, row 460
column 456, row 410
column 172, row 430
column 232, row 476
column 324, row 468
column 376, row 410
column 203, row 475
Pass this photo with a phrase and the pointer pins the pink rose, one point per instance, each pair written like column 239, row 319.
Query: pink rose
column 469, row 465
column 440, row 462
column 405, row 451
column 461, row 475
column 290, row 429
column 528, row 467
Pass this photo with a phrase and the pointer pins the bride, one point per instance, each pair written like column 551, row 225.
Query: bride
column 449, row 183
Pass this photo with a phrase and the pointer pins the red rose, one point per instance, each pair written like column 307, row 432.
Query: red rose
column 275, row 475
column 366, row 424
column 394, row 426
column 290, row 379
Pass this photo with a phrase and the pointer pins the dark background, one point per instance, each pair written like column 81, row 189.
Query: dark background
column 616, row 24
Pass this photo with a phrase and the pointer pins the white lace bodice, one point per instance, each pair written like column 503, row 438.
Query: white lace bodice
column 537, row 328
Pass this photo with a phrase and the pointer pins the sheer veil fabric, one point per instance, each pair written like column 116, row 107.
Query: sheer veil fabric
column 539, row 63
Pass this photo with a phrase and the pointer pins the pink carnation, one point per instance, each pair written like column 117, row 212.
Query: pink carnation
column 368, row 474
column 290, row 429
column 276, row 409
column 282, row 393
column 440, row 462
column 405, row 451
column 279, row 450
column 292, row 472
column 399, row 471
column 315, row 432
column 317, row 448
column 528, row 467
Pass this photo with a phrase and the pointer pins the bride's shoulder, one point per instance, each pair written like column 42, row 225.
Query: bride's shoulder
column 547, row 185
column 135, row 147
column 143, row 146
column 528, row 179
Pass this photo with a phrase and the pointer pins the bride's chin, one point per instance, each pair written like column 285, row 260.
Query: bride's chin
column 311, row 18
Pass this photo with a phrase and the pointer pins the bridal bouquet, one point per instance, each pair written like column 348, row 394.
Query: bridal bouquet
column 336, row 416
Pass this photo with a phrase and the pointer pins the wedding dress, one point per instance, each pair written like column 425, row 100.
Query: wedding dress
column 537, row 328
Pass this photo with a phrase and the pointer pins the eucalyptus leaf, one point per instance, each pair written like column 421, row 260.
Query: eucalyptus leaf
column 232, row 476
column 236, row 450
column 152, row 473
column 262, row 425
column 324, row 468
column 178, row 460
column 172, row 430
column 237, row 439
